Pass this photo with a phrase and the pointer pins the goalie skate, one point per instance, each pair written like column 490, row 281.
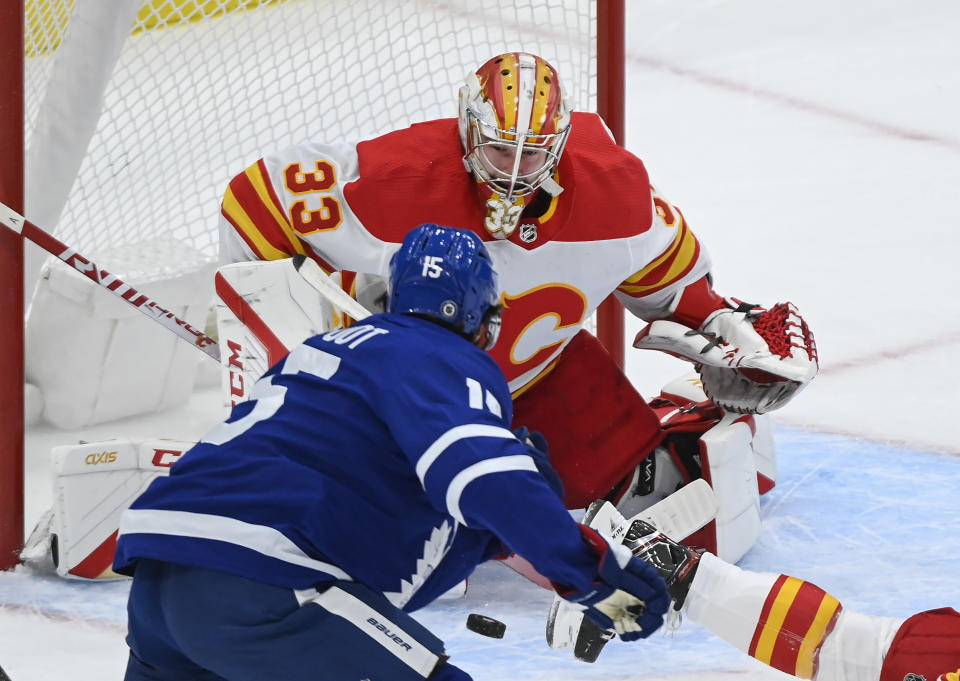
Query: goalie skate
column 679, row 515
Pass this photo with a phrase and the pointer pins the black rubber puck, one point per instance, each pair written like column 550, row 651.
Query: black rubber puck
column 486, row 626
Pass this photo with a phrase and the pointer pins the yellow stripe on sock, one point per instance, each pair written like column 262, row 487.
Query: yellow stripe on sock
column 778, row 613
column 814, row 636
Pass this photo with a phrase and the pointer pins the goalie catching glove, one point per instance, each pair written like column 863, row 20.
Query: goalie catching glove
column 751, row 360
column 628, row 595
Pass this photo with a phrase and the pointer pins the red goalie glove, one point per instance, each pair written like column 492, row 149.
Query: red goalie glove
column 751, row 360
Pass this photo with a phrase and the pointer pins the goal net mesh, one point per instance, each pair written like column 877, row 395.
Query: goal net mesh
column 195, row 91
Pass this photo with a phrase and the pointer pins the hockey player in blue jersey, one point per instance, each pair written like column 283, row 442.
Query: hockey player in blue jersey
column 371, row 471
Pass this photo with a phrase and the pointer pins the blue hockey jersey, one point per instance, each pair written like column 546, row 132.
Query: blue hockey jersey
column 380, row 453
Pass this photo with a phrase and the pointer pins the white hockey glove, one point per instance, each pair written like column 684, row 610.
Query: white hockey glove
column 751, row 360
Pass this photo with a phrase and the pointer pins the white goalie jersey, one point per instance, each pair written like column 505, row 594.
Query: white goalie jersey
column 349, row 206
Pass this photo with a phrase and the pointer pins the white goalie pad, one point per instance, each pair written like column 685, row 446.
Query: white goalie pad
column 264, row 309
column 94, row 483
column 689, row 388
column 737, row 457
column 729, row 464
column 94, row 357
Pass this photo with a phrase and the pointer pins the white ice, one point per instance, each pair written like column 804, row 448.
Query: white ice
column 814, row 149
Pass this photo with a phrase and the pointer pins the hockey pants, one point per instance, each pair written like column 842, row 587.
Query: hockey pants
column 194, row 624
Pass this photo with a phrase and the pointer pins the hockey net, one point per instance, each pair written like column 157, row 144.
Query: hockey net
column 138, row 113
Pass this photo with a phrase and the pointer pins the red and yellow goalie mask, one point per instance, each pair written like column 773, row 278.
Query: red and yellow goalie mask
column 513, row 126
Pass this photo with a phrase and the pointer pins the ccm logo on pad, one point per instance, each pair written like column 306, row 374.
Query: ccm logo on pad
column 165, row 458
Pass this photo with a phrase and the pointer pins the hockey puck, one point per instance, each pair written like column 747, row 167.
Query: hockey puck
column 486, row 626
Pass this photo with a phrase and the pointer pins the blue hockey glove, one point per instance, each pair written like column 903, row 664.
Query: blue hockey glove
column 539, row 451
column 628, row 595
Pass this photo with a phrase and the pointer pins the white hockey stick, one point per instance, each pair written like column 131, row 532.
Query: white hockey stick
column 677, row 516
column 326, row 287
column 92, row 271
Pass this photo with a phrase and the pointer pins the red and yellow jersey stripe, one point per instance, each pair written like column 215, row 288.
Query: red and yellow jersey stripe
column 671, row 266
column 251, row 205
column 795, row 619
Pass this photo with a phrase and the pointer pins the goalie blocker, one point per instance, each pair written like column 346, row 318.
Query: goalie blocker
column 264, row 308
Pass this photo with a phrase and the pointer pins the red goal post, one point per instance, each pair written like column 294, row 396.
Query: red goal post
column 176, row 96
column 11, row 285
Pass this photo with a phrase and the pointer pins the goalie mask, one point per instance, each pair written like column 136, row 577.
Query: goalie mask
column 513, row 126
column 446, row 274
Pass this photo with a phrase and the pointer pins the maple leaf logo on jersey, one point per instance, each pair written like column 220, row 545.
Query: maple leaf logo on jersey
column 434, row 549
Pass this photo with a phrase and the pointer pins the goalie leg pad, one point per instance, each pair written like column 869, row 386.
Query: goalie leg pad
column 728, row 463
column 94, row 483
column 95, row 358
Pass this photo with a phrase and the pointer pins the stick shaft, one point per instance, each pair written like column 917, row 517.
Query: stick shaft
column 316, row 277
column 114, row 284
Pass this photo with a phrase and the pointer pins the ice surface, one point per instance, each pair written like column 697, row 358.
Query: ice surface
column 813, row 148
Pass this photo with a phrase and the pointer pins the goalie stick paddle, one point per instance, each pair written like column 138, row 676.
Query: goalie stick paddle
column 3, row 675
column 112, row 283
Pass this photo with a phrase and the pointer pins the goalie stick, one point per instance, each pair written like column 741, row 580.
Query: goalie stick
column 317, row 278
column 112, row 283
column 677, row 516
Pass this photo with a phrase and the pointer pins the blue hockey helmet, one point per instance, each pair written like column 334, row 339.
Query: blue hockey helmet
column 447, row 275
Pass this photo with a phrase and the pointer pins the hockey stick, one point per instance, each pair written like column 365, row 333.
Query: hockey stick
column 92, row 271
column 326, row 287
column 677, row 516
column 3, row 674
column 307, row 268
